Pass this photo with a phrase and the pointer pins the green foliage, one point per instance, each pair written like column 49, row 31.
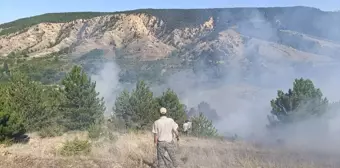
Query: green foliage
column 123, row 108
column 82, row 106
column 46, row 70
column 302, row 102
column 173, row 18
column 22, row 24
column 76, row 147
column 175, row 108
column 92, row 55
column 11, row 125
column 38, row 106
column 95, row 130
column 138, row 109
column 143, row 105
column 51, row 131
column 203, row 127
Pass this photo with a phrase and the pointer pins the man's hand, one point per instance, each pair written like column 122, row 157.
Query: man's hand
column 177, row 137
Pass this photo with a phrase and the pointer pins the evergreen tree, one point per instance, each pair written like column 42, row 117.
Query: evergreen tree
column 300, row 103
column 82, row 107
column 31, row 102
column 139, row 109
column 122, row 109
column 203, row 127
column 175, row 109
column 11, row 125
column 143, row 105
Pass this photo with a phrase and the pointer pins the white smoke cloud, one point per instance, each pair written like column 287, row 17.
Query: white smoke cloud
column 107, row 84
column 245, row 104
column 243, row 100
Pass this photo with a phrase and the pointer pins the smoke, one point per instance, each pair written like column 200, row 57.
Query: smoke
column 244, row 103
column 107, row 84
column 251, row 79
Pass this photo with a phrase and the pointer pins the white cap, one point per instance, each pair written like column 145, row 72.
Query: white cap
column 162, row 110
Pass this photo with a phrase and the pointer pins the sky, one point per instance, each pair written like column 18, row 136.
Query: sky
column 15, row 9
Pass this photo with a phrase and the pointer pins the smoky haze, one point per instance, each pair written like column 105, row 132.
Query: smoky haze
column 107, row 84
column 244, row 103
column 242, row 98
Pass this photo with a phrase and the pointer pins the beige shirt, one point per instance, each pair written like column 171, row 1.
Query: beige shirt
column 164, row 128
column 187, row 126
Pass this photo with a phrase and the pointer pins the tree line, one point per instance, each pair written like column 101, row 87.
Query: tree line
column 29, row 106
column 74, row 104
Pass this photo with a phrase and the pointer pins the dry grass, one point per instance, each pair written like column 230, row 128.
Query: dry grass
column 137, row 150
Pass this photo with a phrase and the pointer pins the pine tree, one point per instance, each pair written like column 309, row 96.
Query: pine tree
column 143, row 105
column 122, row 109
column 139, row 109
column 82, row 107
column 11, row 125
column 203, row 127
column 31, row 101
column 300, row 103
column 171, row 102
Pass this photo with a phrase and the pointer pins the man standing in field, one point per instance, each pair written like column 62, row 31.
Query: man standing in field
column 186, row 127
column 163, row 130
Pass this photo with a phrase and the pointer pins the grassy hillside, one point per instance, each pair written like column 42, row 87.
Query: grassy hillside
column 51, row 68
column 21, row 24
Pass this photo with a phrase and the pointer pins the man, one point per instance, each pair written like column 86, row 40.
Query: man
column 163, row 130
column 186, row 127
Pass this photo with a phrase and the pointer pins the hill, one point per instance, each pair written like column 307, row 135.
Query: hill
column 170, row 40
column 227, row 62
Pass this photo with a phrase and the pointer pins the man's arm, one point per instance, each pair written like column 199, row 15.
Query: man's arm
column 154, row 131
column 155, row 138
column 175, row 130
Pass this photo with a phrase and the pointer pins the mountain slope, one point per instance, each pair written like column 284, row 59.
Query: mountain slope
column 238, row 38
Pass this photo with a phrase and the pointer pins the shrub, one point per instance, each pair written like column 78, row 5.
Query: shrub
column 95, row 131
column 76, row 147
column 11, row 126
column 51, row 131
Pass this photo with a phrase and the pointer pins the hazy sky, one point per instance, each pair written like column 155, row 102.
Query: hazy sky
column 14, row 9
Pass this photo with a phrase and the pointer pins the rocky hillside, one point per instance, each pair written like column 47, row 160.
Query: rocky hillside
column 233, row 37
